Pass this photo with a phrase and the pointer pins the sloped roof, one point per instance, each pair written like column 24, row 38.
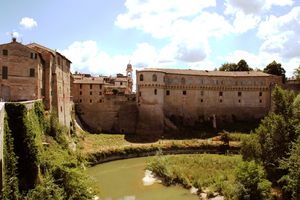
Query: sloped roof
column 31, row 45
column 208, row 73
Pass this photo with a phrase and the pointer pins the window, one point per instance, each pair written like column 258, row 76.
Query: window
column 260, row 101
column 5, row 52
column 260, row 94
column 91, row 86
column 201, row 100
column 155, row 91
column 80, row 100
column 183, row 81
column 121, row 83
column 80, row 86
column 100, row 87
column 202, row 93
column 4, row 72
column 239, row 101
column 91, row 101
column 31, row 55
column 154, row 77
column 100, row 100
column 220, row 94
column 168, row 92
column 61, row 109
column 141, row 77
column 80, row 93
column 35, row 56
column 91, row 93
column 184, row 92
column 221, row 100
column 239, row 94
column 32, row 72
column 100, row 93
column 140, row 94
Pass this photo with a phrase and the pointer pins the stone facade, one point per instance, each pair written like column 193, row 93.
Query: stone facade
column 31, row 72
column 193, row 96
column 105, row 103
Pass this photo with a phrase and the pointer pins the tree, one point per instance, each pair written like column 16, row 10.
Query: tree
column 297, row 73
column 251, row 182
column 241, row 66
column 292, row 179
column 228, row 67
column 275, row 69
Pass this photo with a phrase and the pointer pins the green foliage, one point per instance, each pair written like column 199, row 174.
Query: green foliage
column 283, row 102
column 273, row 138
column 228, row 67
column 241, row 66
column 215, row 172
column 115, row 91
column 57, row 131
column 25, row 130
column 297, row 73
column 40, row 172
column 251, row 181
column 275, row 69
column 10, row 182
column 296, row 108
column 251, row 148
column 292, row 165
column 47, row 190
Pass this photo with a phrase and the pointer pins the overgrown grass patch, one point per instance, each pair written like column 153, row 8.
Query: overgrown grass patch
column 215, row 172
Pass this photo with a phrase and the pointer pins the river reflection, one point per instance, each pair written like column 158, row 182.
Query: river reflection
column 127, row 180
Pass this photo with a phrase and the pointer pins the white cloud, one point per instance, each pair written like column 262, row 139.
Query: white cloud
column 248, row 14
column 281, row 34
column 28, row 22
column 182, row 22
column 253, row 6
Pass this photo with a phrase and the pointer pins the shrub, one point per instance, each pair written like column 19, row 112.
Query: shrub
column 251, row 182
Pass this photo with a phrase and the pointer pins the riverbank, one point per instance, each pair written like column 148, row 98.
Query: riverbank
column 99, row 148
column 207, row 175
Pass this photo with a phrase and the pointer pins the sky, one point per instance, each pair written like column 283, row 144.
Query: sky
column 101, row 37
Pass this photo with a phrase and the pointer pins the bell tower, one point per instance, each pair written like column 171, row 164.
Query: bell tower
column 129, row 70
column 129, row 78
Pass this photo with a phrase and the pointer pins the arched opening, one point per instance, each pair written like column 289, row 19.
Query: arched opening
column 141, row 77
column 155, row 91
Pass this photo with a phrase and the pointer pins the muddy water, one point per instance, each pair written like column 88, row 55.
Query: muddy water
column 123, row 180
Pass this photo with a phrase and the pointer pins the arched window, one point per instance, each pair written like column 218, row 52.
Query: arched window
column 155, row 91
column 141, row 77
column 154, row 77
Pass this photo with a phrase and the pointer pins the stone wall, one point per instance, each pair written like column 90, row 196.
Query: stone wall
column 188, row 99
column 114, row 114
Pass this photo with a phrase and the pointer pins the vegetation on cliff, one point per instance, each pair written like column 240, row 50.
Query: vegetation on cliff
column 38, row 162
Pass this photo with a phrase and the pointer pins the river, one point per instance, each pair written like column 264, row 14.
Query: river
column 123, row 180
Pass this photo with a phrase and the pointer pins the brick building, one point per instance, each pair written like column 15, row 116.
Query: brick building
column 30, row 72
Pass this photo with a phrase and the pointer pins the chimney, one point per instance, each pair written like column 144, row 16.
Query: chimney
column 14, row 39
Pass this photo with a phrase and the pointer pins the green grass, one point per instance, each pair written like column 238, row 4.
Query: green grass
column 203, row 171
column 239, row 136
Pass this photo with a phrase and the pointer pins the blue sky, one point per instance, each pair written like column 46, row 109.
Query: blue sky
column 100, row 37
